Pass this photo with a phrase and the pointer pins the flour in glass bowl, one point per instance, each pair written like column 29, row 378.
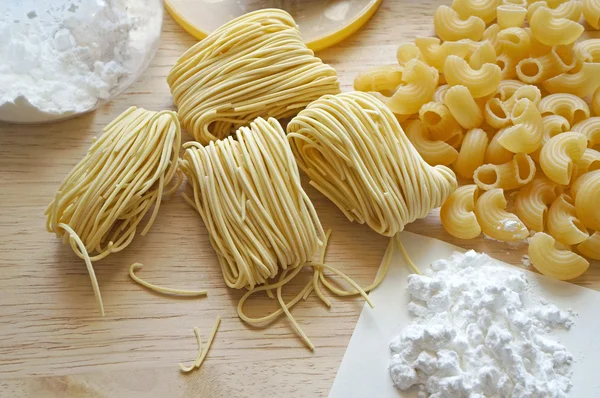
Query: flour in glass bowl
column 478, row 332
column 64, row 57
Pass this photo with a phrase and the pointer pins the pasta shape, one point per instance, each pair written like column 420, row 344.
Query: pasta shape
column 481, row 82
column 419, row 81
column 495, row 152
column 529, row 92
column 532, row 70
column 495, row 221
column 581, row 83
column 440, row 93
column 591, row 129
column 511, row 15
column 554, row 262
column 507, row 65
column 472, row 153
column 463, row 107
column 484, row 9
column 515, row 42
column 382, row 79
column 433, row 152
column 511, row 175
column 590, row 161
column 559, row 154
column 450, row 26
column 553, row 125
column 568, row 9
column 532, row 201
column 527, row 132
column 435, row 54
column 439, row 121
column 587, row 50
column 553, row 31
column 563, row 224
column 491, row 34
column 591, row 246
column 407, row 52
column 496, row 114
column 591, row 13
column 586, row 200
column 483, row 54
column 569, row 106
column 537, row 48
column 458, row 213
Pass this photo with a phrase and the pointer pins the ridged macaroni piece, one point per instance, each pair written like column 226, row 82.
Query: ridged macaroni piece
column 527, row 131
column 529, row 92
column 491, row 34
column 553, row 125
column 591, row 246
column 247, row 191
column 458, row 213
column 511, row 175
column 569, row 106
column 536, row 70
column 255, row 65
column 496, row 114
column 355, row 153
column 472, row 153
column 481, row 82
column 553, row 31
column 419, row 82
column 591, row 129
column 507, row 88
column 406, row 52
column 511, row 15
column 537, row 48
column 450, row 26
column 507, row 65
column 587, row 50
column 586, row 200
column 591, row 12
column 101, row 203
column 495, row 221
column 515, row 42
column 439, row 121
column 559, row 154
column 596, row 102
column 382, row 79
column 563, row 224
column 590, row 161
column 484, row 9
column 553, row 262
column 433, row 152
column 495, row 152
column 435, row 53
column 569, row 9
column 463, row 107
column 440, row 93
column 581, row 83
column 532, row 201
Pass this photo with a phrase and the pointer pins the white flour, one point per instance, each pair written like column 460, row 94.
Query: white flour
column 60, row 57
column 478, row 332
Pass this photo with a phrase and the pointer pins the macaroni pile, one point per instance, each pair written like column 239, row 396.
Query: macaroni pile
column 355, row 153
column 99, row 205
column 506, row 107
column 255, row 65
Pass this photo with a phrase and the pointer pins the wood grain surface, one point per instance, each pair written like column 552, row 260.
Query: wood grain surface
column 54, row 344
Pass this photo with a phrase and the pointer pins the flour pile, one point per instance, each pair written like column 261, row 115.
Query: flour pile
column 478, row 332
column 61, row 57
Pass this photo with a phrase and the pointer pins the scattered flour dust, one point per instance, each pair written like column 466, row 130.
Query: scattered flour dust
column 60, row 57
column 478, row 332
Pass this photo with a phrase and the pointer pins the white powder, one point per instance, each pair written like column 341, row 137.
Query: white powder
column 61, row 57
column 509, row 225
column 478, row 332
column 525, row 260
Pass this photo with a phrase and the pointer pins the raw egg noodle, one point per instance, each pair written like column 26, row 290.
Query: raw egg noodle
column 99, row 205
column 255, row 65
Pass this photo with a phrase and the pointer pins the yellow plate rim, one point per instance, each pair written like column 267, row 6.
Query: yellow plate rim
column 317, row 44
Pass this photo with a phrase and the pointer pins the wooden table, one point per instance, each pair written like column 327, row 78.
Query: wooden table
column 54, row 344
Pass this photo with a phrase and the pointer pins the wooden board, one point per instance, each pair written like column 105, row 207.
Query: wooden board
column 53, row 344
